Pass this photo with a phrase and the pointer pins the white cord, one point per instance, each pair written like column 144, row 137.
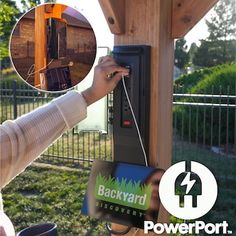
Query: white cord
column 135, row 121
column 32, row 71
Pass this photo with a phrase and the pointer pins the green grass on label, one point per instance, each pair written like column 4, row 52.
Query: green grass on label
column 131, row 187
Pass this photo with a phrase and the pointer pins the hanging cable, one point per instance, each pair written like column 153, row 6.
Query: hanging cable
column 135, row 121
column 32, row 71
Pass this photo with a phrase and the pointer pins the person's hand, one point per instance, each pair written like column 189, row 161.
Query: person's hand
column 107, row 74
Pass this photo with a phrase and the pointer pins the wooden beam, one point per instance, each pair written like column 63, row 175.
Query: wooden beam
column 40, row 43
column 41, row 14
column 149, row 22
column 186, row 14
column 114, row 11
column 54, row 10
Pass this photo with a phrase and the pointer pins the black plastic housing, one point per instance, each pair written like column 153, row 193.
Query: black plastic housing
column 56, row 42
column 127, row 147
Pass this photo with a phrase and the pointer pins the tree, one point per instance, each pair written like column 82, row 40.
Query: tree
column 181, row 54
column 26, row 4
column 212, row 53
column 220, row 46
column 192, row 50
column 222, row 24
column 8, row 16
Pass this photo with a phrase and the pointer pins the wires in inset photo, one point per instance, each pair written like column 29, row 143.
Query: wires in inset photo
column 32, row 71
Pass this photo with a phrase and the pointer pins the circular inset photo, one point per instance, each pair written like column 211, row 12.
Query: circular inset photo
column 53, row 47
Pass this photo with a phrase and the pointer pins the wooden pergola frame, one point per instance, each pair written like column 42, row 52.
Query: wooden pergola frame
column 42, row 13
column 156, row 23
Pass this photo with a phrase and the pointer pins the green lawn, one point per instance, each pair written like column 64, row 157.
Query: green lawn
column 50, row 194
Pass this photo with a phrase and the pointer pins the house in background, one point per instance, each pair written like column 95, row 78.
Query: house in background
column 80, row 46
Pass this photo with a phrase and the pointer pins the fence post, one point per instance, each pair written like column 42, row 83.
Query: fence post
column 14, row 99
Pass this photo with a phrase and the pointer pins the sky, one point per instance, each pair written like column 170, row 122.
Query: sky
column 199, row 31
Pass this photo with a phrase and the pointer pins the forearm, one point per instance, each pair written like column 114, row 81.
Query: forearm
column 26, row 138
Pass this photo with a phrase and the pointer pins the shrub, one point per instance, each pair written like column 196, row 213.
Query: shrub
column 222, row 80
column 187, row 81
column 212, row 125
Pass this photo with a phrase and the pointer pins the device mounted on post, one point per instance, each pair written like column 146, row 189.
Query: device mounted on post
column 127, row 146
column 56, row 38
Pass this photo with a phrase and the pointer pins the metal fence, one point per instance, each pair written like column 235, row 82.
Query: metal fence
column 205, row 119
column 204, row 127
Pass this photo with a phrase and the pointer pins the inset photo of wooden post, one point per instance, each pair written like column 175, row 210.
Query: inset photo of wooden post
column 53, row 47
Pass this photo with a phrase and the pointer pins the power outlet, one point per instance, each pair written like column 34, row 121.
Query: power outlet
column 127, row 119
column 127, row 146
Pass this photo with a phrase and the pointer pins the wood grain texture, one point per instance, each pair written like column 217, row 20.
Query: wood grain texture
column 186, row 13
column 114, row 12
column 40, row 43
column 149, row 22
column 54, row 10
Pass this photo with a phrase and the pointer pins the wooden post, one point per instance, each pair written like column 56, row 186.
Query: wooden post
column 149, row 22
column 42, row 13
column 40, row 43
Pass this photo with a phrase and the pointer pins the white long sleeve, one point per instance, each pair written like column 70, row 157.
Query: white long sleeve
column 23, row 140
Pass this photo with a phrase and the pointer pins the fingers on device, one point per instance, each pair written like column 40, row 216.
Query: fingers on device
column 127, row 146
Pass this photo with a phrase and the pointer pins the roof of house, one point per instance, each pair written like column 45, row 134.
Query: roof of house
column 72, row 21
column 73, row 18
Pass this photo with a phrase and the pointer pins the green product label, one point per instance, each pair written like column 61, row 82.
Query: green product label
column 131, row 194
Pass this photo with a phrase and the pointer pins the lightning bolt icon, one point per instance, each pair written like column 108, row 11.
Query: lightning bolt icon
column 189, row 183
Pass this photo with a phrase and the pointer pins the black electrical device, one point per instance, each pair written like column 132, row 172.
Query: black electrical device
column 127, row 147
column 58, row 79
column 56, row 39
